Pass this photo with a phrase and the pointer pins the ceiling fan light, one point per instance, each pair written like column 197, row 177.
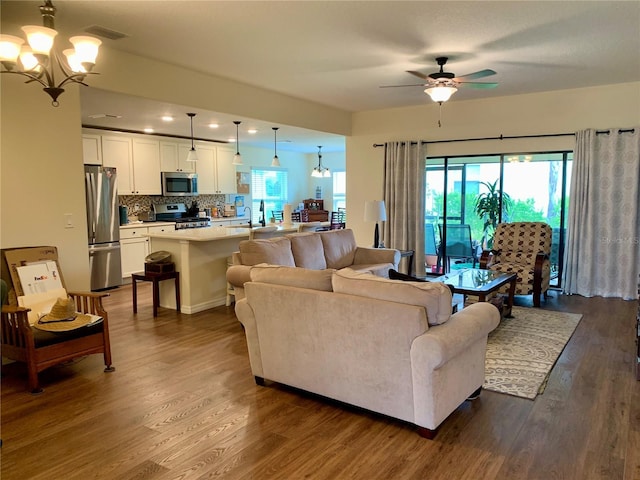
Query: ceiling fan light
column 440, row 93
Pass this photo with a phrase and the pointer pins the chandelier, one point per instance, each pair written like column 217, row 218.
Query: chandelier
column 39, row 61
column 320, row 171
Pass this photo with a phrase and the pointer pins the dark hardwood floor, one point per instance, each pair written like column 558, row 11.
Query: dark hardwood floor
column 182, row 404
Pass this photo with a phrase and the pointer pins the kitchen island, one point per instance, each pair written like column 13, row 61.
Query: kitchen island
column 200, row 255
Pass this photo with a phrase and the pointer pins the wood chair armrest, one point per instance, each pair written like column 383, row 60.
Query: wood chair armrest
column 15, row 328
column 537, row 268
column 486, row 259
column 14, row 309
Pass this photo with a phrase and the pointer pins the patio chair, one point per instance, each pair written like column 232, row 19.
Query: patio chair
column 458, row 244
column 522, row 248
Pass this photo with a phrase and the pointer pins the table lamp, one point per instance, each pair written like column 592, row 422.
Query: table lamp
column 374, row 211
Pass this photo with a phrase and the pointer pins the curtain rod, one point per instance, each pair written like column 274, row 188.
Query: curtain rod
column 501, row 137
column 622, row 130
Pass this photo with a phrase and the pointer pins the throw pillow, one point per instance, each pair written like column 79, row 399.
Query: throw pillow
column 339, row 247
column 435, row 297
column 307, row 250
column 275, row 251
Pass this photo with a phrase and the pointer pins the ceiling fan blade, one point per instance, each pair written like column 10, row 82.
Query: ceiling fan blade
column 479, row 84
column 412, row 85
column 418, row 74
column 480, row 74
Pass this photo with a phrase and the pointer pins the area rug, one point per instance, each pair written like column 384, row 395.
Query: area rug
column 522, row 350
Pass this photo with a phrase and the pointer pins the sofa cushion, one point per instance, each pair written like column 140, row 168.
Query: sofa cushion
column 339, row 247
column 275, row 251
column 435, row 297
column 307, row 250
column 293, row 277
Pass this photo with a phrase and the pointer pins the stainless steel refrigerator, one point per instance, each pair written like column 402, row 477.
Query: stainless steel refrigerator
column 103, row 225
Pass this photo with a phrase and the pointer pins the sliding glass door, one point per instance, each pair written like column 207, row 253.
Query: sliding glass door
column 527, row 187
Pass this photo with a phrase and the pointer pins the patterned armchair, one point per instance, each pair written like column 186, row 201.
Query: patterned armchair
column 522, row 248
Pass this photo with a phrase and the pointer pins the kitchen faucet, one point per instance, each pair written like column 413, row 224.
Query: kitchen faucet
column 245, row 211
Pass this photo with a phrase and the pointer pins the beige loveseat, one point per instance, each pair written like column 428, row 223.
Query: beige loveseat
column 330, row 250
column 388, row 346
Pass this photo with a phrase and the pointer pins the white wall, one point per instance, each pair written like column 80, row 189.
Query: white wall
column 564, row 111
column 42, row 175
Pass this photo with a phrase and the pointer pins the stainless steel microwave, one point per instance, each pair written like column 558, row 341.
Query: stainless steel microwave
column 179, row 184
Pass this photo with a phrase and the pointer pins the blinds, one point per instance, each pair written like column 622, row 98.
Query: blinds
column 269, row 185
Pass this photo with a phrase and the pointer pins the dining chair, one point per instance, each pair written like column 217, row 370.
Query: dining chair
column 278, row 215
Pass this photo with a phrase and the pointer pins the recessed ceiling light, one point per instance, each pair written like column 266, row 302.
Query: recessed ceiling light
column 148, row 130
column 167, row 118
column 213, row 125
column 231, row 140
column 252, row 131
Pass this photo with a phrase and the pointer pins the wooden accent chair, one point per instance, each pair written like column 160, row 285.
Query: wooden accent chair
column 522, row 248
column 40, row 350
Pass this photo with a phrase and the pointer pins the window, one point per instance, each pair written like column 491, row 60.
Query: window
column 270, row 186
column 339, row 190
column 537, row 186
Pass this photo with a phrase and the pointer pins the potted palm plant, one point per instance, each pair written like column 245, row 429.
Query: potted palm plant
column 487, row 207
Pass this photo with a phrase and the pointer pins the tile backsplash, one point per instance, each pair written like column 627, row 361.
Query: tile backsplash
column 144, row 202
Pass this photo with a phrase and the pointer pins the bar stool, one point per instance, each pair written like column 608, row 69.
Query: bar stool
column 156, row 278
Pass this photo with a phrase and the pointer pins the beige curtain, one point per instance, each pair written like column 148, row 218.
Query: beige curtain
column 602, row 255
column 404, row 190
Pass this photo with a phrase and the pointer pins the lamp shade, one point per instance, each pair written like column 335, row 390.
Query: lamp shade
column 375, row 211
column 440, row 94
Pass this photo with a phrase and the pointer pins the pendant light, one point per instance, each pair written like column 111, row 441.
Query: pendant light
column 320, row 171
column 276, row 161
column 192, row 156
column 237, row 158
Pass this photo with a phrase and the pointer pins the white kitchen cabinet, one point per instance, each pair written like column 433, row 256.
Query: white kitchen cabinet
column 226, row 170
column 216, row 172
column 239, row 221
column 162, row 229
column 91, row 149
column 134, row 247
column 173, row 157
column 117, row 152
column 205, row 167
column 146, row 167
column 137, row 162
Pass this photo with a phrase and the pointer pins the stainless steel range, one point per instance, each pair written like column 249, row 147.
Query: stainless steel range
column 177, row 212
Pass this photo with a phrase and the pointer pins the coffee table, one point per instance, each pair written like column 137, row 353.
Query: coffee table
column 476, row 281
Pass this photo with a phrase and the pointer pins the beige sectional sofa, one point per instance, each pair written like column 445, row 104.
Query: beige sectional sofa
column 388, row 346
column 330, row 250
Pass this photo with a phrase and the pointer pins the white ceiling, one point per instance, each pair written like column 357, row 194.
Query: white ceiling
column 339, row 53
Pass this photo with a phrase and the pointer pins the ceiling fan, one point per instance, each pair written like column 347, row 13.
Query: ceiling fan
column 441, row 85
